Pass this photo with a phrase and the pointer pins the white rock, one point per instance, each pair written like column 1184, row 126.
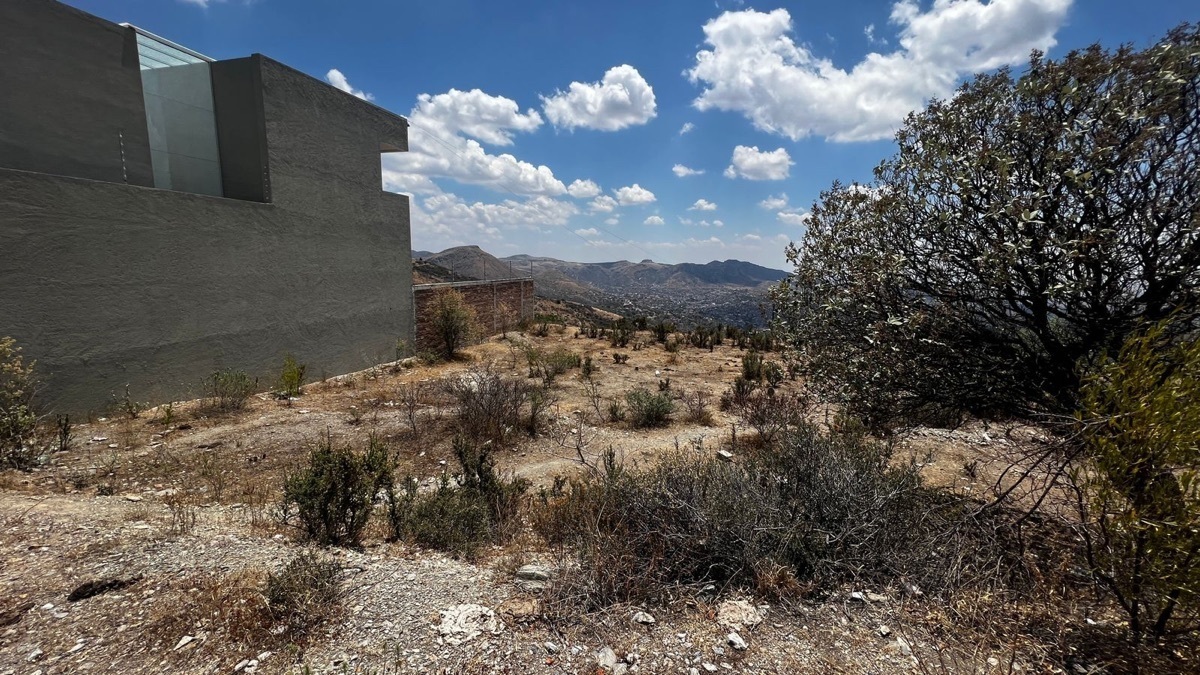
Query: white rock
column 551, row 648
column 724, row 455
column 643, row 618
column 606, row 658
column 858, row 596
column 736, row 641
column 462, row 623
column 876, row 597
column 184, row 641
column 35, row 655
column 885, row 631
column 710, row 667
column 738, row 613
column 240, row 665
column 534, row 573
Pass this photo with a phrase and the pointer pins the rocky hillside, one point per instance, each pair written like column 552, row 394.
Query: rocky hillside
column 730, row 291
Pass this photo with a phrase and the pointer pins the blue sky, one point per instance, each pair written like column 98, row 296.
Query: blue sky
column 580, row 130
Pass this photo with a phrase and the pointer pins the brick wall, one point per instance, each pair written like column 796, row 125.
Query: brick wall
column 496, row 303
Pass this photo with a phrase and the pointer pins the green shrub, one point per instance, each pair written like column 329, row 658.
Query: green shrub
column 752, row 366
column 333, row 496
column 649, row 410
column 549, row 365
column 478, row 507
column 17, row 418
column 452, row 322
column 291, row 378
column 228, row 390
column 1139, row 485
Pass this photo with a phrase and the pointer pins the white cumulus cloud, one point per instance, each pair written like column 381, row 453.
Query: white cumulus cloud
column 336, row 78
column 774, row 203
column 753, row 164
column 444, row 142
column 603, row 204
column 703, row 205
column 588, row 233
column 687, row 126
column 683, row 171
column 621, row 99
column 634, row 195
column 796, row 218
column 752, row 65
column 491, row 119
column 583, row 189
column 653, row 220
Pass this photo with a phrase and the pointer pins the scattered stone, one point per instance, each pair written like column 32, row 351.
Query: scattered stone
column 885, row 631
column 35, row 655
column 462, row 623
column 876, row 597
column 903, row 646
column 14, row 615
column 858, row 597
column 738, row 613
column 184, row 641
column 606, row 658
column 709, row 667
column 133, row 498
column 551, row 648
column 736, row 641
column 643, row 618
column 241, row 665
column 724, row 455
column 534, row 572
column 912, row 589
column 77, row 647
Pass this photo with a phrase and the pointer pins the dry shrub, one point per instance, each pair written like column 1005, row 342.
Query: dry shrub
column 301, row 595
column 649, row 410
column 228, row 390
column 698, row 407
column 489, row 404
column 810, row 514
column 17, row 418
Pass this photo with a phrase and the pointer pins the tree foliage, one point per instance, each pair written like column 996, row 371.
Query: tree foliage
column 17, row 417
column 1022, row 228
column 1139, row 485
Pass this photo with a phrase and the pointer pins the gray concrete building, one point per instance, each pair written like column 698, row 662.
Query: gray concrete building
column 164, row 215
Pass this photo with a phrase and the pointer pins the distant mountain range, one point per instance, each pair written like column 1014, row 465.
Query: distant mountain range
column 730, row 291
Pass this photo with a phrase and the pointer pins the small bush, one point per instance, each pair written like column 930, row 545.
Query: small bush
column 770, row 414
column 737, row 394
column 291, row 377
column 302, row 594
column 752, row 366
column 696, row 403
column 452, row 321
column 17, row 418
column 1138, row 487
column 549, row 366
column 459, row 517
column 773, row 373
column 649, row 410
column 333, row 496
column 616, row 411
column 228, row 390
column 489, row 404
column 821, row 509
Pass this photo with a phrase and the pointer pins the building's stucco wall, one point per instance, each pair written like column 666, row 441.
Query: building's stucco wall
column 107, row 284
column 70, row 94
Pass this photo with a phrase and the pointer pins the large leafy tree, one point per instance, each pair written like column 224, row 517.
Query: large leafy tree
column 1022, row 228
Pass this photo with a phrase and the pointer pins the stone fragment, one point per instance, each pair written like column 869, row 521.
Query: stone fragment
column 462, row 623
column 736, row 641
column 738, row 613
column 643, row 618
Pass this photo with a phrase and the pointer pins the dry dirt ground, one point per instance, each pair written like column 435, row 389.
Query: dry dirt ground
column 179, row 508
